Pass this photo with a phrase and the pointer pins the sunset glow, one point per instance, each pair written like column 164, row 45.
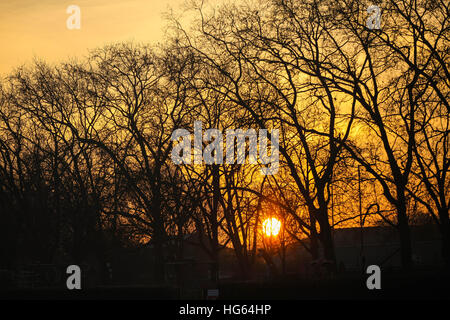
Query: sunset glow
column 271, row 227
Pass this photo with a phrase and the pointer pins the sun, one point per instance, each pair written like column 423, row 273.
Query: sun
column 271, row 227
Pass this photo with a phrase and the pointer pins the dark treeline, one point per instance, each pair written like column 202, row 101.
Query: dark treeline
column 85, row 146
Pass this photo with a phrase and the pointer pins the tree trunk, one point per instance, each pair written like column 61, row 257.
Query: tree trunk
column 326, row 237
column 314, row 238
column 215, row 224
column 405, row 237
column 159, row 235
column 159, row 272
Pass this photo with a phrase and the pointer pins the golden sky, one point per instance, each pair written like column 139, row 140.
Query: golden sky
column 37, row 28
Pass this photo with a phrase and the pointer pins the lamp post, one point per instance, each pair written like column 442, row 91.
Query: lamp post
column 361, row 222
